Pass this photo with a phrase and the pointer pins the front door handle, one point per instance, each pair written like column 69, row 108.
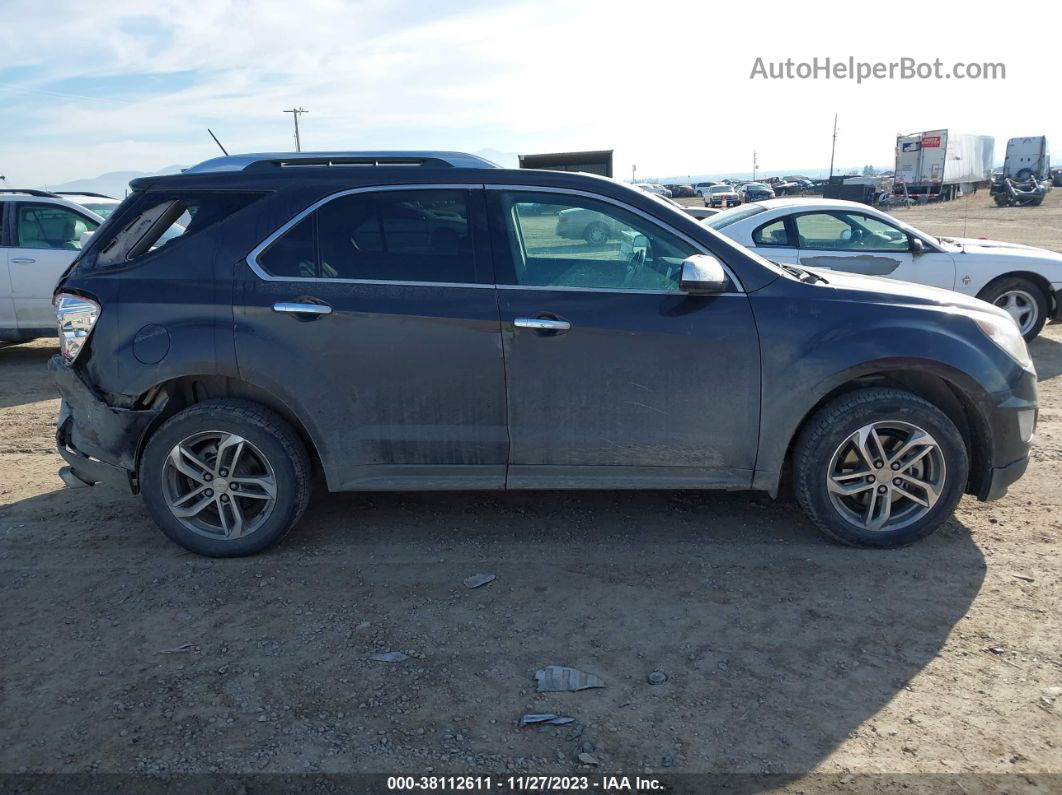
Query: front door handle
column 542, row 324
column 299, row 308
column 23, row 260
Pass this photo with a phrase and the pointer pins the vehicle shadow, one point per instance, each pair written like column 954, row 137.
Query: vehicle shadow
column 1047, row 356
column 777, row 644
column 23, row 374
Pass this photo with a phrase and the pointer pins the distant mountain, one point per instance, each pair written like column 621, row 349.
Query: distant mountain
column 113, row 183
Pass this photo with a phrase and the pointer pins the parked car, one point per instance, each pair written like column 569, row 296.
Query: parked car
column 578, row 223
column 40, row 234
column 652, row 187
column 683, row 192
column 98, row 203
column 721, row 196
column 346, row 336
column 754, row 191
column 849, row 236
column 702, row 188
column 695, row 212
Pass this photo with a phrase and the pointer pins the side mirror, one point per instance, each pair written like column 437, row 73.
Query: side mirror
column 917, row 246
column 703, row 275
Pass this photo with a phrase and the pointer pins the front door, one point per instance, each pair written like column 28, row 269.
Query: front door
column 47, row 237
column 859, row 243
column 613, row 376
column 374, row 318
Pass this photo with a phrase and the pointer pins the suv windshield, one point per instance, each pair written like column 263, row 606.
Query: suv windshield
column 733, row 215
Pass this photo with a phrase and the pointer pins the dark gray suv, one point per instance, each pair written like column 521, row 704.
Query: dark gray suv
column 421, row 320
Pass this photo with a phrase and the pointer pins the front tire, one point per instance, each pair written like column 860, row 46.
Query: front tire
column 879, row 468
column 225, row 478
column 1023, row 300
column 596, row 234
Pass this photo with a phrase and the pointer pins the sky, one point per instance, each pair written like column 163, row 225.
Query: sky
column 88, row 88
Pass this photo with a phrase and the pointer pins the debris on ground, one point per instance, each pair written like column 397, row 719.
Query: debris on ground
column 575, row 732
column 477, row 580
column 588, row 759
column 177, row 649
column 1023, row 577
column 557, row 678
column 389, row 657
column 657, row 678
column 545, row 717
column 996, row 649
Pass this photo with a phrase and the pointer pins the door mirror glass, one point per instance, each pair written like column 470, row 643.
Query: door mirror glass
column 703, row 274
column 917, row 246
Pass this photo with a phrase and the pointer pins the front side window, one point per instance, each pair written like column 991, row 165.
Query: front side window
column 842, row 231
column 570, row 241
column 410, row 236
column 50, row 226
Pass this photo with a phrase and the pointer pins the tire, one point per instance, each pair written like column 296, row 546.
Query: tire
column 596, row 234
column 826, row 437
column 1017, row 295
column 267, row 453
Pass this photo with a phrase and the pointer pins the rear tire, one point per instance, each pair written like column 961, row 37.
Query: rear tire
column 846, row 493
column 244, row 511
column 1023, row 299
column 596, row 234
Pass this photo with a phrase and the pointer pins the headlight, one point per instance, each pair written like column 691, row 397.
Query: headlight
column 76, row 317
column 1004, row 332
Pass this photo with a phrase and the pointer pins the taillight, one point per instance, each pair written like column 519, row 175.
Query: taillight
column 76, row 316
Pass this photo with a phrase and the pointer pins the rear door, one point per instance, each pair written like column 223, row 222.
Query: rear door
column 614, row 376
column 775, row 240
column 373, row 316
column 46, row 238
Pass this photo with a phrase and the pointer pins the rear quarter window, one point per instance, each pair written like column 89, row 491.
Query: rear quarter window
column 164, row 219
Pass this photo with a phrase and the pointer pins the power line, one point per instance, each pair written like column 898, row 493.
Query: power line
column 295, row 112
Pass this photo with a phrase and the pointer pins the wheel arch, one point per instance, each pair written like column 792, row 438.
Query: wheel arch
column 180, row 392
column 1038, row 279
column 936, row 388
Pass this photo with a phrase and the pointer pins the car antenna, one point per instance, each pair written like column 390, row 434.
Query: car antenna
column 222, row 148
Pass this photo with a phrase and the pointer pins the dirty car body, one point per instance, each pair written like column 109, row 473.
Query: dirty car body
column 431, row 328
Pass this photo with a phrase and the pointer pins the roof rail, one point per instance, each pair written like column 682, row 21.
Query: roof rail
column 82, row 193
column 30, row 192
column 266, row 161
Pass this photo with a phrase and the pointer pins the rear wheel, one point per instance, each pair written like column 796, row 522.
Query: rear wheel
column 879, row 468
column 1023, row 300
column 225, row 478
column 596, row 234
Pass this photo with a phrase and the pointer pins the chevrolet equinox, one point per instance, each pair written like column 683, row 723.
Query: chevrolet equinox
column 426, row 320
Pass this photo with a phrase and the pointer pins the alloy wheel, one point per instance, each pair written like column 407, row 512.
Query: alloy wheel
column 219, row 485
column 885, row 476
column 1021, row 306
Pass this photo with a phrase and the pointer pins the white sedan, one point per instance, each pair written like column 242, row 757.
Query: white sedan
column 853, row 237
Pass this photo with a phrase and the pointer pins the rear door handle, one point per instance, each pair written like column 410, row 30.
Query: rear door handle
column 23, row 260
column 298, row 308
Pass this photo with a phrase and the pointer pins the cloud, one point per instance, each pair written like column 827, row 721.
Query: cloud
column 135, row 85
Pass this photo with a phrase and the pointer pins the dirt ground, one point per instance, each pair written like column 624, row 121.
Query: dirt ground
column 785, row 653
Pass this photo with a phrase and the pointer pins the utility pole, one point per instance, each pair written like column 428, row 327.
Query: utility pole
column 295, row 114
column 833, row 147
column 754, row 165
column 634, row 173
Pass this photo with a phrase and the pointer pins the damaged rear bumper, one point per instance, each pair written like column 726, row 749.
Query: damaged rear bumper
column 98, row 441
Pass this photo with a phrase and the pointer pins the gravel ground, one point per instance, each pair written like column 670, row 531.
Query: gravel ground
column 785, row 653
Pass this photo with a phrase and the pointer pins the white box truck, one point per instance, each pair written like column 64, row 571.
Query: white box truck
column 939, row 164
column 1027, row 158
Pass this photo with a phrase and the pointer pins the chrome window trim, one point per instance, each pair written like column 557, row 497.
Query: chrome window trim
column 624, row 206
column 252, row 258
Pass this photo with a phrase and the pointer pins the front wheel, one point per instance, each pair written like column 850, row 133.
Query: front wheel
column 225, row 478
column 879, row 468
column 1023, row 300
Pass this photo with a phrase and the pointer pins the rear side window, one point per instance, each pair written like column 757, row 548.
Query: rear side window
column 772, row 234
column 404, row 236
column 166, row 218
